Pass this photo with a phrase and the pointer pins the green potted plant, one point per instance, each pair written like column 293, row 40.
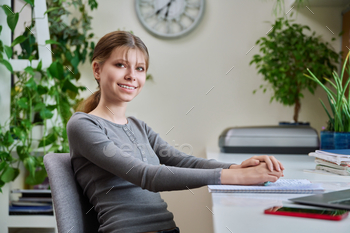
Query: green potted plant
column 337, row 133
column 71, row 44
column 279, row 6
column 285, row 53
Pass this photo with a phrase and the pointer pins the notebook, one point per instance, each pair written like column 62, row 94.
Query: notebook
column 339, row 152
column 280, row 186
column 342, row 172
column 335, row 156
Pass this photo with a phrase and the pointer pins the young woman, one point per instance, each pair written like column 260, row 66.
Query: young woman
column 122, row 164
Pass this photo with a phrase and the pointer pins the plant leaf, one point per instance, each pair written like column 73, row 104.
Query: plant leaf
column 19, row 133
column 56, row 70
column 38, row 68
column 49, row 139
column 31, row 83
column 8, row 139
column 12, row 20
column 29, row 164
column 31, row 2
column 324, row 106
column 52, row 9
column 23, row 102
column 29, row 70
column 51, row 42
column 8, row 51
column 42, row 90
column 7, row 9
column 4, row 156
column 38, row 177
column 2, row 165
column 9, row 174
column 7, row 65
column 18, row 40
column 46, row 114
column 68, row 85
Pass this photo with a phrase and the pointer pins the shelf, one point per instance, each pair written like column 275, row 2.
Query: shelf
column 23, row 223
column 31, row 230
column 19, row 221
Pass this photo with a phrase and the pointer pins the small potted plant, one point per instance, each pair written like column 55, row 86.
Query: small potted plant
column 285, row 53
column 337, row 133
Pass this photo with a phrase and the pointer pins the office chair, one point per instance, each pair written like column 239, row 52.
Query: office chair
column 74, row 213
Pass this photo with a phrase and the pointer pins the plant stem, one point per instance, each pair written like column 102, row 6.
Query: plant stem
column 296, row 110
column 44, row 133
column 30, row 121
column 23, row 7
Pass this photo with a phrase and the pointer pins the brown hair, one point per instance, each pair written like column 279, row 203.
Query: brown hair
column 102, row 51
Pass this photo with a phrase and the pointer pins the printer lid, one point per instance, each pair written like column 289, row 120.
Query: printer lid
column 272, row 131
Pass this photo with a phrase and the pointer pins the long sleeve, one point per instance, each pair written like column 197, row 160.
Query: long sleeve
column 88, row 139
column 169, row 155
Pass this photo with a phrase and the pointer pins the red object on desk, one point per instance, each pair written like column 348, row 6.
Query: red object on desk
column 308, row 213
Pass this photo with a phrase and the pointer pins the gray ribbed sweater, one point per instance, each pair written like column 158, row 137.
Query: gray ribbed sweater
column 121, row 169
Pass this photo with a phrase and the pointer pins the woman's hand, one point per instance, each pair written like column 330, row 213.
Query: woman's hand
column 250, row 175
column 271, row 161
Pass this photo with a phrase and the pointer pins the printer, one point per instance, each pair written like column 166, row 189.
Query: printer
column 281, row 139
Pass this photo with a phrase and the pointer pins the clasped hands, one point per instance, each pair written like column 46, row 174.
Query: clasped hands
column 255, row 170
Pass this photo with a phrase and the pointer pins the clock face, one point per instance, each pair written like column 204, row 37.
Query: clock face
column 169, row 18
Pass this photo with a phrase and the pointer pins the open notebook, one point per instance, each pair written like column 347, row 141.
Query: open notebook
column 280, row 186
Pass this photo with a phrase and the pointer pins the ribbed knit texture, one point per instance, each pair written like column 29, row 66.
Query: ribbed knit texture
column 121, row 169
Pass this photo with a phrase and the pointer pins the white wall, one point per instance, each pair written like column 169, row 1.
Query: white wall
column 5, row 91
column 185, row 69
column 5, row 75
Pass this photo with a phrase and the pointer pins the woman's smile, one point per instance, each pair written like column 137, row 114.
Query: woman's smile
column 127, row 88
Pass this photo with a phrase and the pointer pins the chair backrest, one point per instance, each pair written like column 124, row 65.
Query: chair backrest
column 73, row 211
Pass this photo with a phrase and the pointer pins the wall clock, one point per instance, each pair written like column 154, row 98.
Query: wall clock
column 169, row 18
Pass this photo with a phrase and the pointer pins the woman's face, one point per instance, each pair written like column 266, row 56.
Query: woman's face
column 122, row 75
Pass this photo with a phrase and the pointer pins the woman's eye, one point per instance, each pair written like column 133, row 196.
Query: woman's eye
column 140, row 68
column 120, row 65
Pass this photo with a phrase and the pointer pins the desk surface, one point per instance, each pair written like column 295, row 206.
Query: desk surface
column 244, row 212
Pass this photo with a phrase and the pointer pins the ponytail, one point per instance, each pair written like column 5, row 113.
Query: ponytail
column 90, row 103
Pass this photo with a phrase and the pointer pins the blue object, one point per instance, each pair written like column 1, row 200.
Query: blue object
column 340, row 152
column 327, row 140
column 293, row 123
column 23, row 208
column 341, row 140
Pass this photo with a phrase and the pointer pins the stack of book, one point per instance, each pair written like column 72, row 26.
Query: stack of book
column 333, row 161
column 31, row 202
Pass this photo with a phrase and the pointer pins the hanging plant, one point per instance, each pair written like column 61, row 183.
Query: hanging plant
column 42, row 95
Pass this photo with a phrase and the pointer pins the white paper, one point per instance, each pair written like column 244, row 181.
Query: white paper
column 280, row 186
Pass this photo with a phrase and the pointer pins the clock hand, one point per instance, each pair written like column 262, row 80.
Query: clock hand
column 167, row 5
column 167, row 11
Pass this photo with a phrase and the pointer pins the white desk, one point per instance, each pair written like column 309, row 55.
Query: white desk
column 244, row 212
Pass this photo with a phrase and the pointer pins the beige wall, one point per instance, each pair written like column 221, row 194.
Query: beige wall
column 185, row 69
